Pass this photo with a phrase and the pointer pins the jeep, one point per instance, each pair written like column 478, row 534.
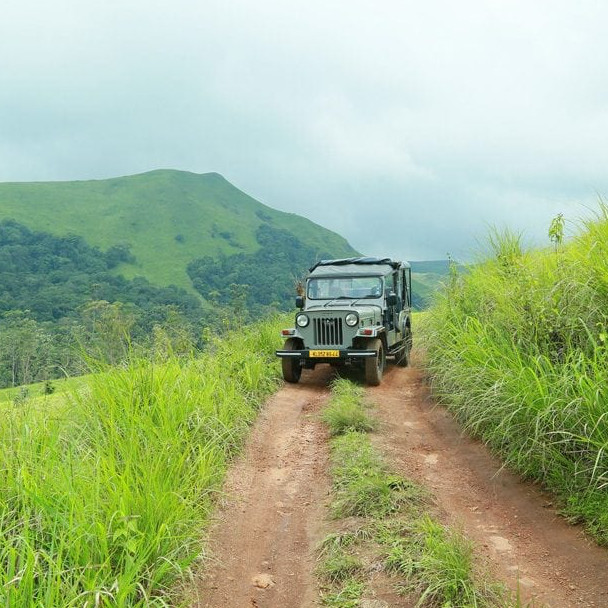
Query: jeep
column 353, row 312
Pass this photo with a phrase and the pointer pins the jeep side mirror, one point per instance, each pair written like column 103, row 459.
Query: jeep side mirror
column 300, row 302
column 391, row 299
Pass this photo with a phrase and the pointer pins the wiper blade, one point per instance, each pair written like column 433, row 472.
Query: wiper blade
column 338, row 298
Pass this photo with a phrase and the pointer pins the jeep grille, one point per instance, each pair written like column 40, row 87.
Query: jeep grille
column 328, row 331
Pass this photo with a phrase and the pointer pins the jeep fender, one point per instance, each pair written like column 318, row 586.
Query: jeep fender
column 361, row 340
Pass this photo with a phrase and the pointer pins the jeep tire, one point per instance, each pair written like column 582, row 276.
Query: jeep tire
column 402, row 358
column 374, row 366
column 292, row 368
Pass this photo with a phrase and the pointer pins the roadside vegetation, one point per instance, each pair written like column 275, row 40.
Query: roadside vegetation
column 517, row 348
column 104, row 497
column 385, row 537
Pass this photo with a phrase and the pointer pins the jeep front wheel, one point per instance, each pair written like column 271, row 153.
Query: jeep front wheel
column 374, row 366
column 292, row 369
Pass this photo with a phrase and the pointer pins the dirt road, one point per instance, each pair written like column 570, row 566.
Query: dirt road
column 273, row 515
column 263, row 542
column 513, row 525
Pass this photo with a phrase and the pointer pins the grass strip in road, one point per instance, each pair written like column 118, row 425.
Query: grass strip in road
column 385, row 536
column 346, row 410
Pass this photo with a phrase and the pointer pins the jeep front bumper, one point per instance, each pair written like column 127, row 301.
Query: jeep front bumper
column 326, row 355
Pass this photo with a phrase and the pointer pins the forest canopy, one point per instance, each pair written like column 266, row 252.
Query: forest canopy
column 59, row 296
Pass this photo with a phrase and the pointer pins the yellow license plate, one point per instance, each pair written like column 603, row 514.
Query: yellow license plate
column 324, row 353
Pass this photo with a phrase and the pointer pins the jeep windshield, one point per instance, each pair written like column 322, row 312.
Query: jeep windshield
column 333, row 288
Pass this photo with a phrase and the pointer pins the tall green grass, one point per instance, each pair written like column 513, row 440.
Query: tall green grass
column 103, row 500
column 517, row 348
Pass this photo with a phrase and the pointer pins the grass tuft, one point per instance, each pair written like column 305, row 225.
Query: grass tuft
column 346, row 410
column 363, row 485
column 340, row 566
column 438, row 565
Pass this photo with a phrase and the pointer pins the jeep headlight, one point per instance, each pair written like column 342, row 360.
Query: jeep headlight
column 302, row 320
column 351, row 319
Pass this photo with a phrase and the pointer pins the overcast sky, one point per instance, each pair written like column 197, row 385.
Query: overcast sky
column 408, row 127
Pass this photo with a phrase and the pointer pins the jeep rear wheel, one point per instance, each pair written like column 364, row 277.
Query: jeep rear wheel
column 292, row 369
column 374, row 366
column 402, row 358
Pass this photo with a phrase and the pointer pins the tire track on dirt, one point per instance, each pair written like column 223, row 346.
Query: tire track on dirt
column 274, row 511
column 513, row 524
column 262, row 544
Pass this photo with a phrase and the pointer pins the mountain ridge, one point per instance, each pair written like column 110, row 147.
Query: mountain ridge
column 182, row 214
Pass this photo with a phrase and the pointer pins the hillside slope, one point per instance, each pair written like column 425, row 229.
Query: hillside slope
column 427, row 278
column 167, row 217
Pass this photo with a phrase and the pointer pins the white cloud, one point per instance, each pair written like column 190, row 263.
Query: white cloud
column 406, row 126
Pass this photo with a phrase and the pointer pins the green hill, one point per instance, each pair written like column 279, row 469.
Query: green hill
column 197, row 232
column 103, row 266
column 167, row 218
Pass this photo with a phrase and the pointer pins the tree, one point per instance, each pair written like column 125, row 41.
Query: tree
column 25, row 349
column 108, row 327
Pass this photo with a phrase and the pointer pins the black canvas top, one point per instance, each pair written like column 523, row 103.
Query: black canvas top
column 360, row 262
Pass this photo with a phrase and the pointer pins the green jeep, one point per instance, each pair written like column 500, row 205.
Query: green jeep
column 355, row 312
